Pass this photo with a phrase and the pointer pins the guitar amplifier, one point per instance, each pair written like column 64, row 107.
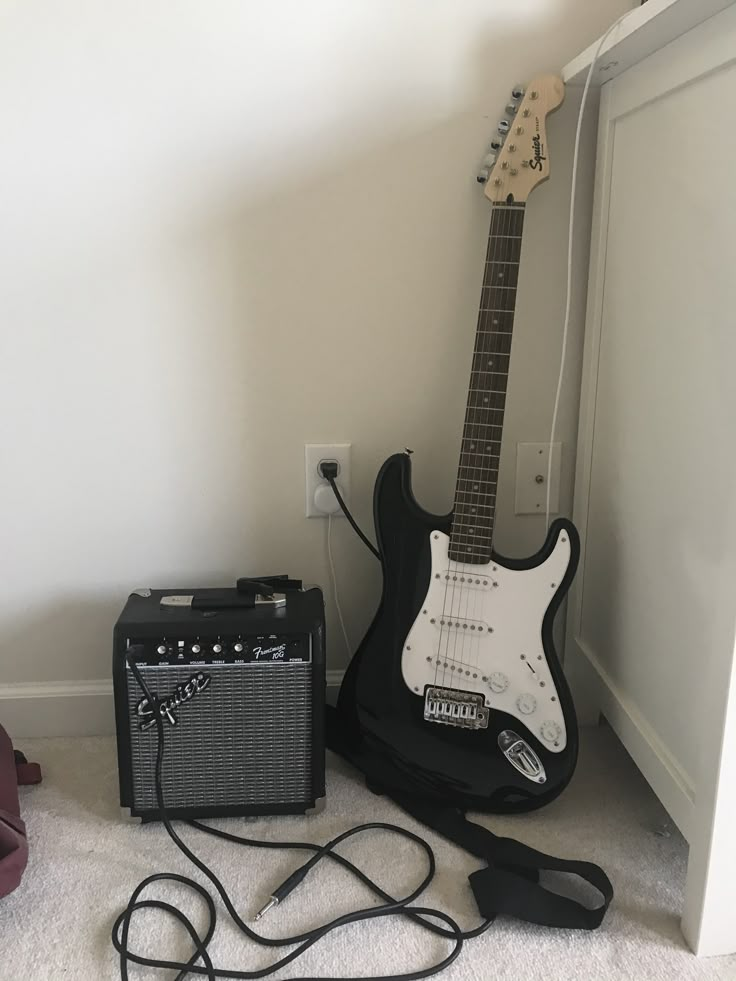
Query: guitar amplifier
column 241, row 694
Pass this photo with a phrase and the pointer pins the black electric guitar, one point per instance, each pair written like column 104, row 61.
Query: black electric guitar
column 457, row 680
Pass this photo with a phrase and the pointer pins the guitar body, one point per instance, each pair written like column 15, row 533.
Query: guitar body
column 386, row 685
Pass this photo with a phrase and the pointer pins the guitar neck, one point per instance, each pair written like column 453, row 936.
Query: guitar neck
column 477, row 480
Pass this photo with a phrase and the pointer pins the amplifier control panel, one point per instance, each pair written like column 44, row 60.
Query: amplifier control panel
column 245, row 649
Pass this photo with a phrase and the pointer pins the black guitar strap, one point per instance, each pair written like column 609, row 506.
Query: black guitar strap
column 510, row 883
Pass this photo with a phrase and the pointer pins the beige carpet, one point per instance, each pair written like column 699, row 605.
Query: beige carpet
column 86, row 859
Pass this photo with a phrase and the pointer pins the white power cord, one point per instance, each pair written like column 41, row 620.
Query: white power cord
column 333, row 576
column 571, row 229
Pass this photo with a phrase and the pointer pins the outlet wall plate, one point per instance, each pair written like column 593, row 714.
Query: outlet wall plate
column 531, row 464
column 314, row 453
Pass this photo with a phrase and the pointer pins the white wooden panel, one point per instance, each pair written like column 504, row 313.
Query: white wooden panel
column 647, row 29
column 662, row 469
column 651, row 631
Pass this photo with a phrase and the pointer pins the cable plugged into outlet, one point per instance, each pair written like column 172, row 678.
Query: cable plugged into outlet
column 325, row 500
column 325, row 462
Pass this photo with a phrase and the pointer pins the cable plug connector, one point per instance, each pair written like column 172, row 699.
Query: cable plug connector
column 286, row 887
column 328, row 469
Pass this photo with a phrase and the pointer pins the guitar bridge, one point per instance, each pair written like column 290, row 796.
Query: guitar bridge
column 455, row 708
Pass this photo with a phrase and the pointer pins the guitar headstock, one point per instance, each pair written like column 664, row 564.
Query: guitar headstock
column 519, row 159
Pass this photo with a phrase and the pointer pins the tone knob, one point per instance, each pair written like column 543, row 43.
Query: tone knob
column 526, row 704
column 217, row 648
column 551, row 731
column 498, row 681
column 161, row 648
column 238, row 648
column 196, row 648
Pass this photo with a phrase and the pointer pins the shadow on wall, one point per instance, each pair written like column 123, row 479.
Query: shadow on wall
column 337, row 305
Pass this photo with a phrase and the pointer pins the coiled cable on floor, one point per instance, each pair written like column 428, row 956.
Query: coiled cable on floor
column 200, row 963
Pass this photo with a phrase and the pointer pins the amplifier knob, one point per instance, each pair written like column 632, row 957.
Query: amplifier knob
column 217, row 648
column 161, row 648
column 196, row 648
column 238, row 648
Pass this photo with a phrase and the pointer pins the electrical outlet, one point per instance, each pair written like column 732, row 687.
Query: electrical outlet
column 531, row 478
column 314, row 453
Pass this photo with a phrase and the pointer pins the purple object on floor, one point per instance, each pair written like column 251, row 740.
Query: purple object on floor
column 14, row 770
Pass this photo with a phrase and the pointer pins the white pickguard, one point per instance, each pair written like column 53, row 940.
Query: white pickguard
column 497, row 648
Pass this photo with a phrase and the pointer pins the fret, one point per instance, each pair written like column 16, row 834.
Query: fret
column 486, row 457
column 485, row 406
column 465, row 466
column 467, row 539
column 477, row 478
column 472, row 497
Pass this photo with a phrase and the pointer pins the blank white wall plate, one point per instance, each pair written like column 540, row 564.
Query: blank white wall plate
column 531, row 463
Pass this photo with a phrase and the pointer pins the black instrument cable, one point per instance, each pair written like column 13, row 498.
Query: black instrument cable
column 329, row 475
column 200, row 963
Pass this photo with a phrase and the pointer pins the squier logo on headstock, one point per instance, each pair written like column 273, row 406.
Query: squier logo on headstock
column 518, row 159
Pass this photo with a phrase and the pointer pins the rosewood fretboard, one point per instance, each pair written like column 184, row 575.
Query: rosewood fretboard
column 477, row 479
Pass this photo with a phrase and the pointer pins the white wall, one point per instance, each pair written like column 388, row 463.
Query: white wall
column 230, row 228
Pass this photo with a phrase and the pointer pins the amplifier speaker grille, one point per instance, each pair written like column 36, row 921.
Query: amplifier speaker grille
column 244, row 740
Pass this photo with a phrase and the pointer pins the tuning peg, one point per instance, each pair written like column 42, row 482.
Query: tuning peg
column 485, row 168
column 511, row 108
column 517, row 92
column 497, row 142
column 504, row 126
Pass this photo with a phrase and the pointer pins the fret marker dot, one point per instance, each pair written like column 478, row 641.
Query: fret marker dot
column 473, row 510
column 471, row 531
column 472, row 446
column 475, row 487
column 485, row 400
column 500, row 275
column 495, row 321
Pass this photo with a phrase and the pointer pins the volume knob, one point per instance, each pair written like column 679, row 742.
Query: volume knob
column 551, row 731
column 196, row 648
column 526, row 704
column 498, row 682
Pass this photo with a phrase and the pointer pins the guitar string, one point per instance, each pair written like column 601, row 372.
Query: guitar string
column 468, row 437
column 500, row 215
column 472, row 449
column 442, row 659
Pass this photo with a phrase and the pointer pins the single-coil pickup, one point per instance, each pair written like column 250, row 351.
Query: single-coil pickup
column 465, row 579
column 452, row 623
